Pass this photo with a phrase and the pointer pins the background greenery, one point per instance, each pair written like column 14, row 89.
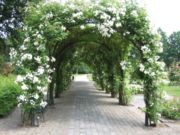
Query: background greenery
column 173, row 90
column 82, row 68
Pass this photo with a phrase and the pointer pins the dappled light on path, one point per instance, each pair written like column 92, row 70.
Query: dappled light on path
column 81, row 78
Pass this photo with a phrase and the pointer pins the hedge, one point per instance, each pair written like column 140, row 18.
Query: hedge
column 9, row 91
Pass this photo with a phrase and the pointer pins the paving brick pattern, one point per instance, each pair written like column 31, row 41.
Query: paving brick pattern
column 83, row 110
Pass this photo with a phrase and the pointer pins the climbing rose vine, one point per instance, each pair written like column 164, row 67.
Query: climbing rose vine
column 33, row 59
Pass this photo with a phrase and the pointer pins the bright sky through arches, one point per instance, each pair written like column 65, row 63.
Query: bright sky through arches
column 163, row 13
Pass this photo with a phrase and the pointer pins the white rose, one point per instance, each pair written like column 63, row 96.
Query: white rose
column 40, row 70
column 150, row 60
column 24, row 87
column 19, row 78
column 27, row 40
column 53, row 59
column 153, row 74
column 118, row 25
column 35, row 79
column 32, row 102
column 26, row 57
column 39, row 88
column 36, row 96
column 29, row 76
column 49, row 79
column 47, row 58
column 39, row 36
column 22, row 98
column 82, row 27
column 141, row 67
column 23, row 47
column 145, row 49
column 63, row 28
column 36, row 43
column 43, row 104
column 38, row 59
column 40, row 26
column 29, row 56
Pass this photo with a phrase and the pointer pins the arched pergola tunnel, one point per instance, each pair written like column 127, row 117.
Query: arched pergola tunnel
column 115, row 39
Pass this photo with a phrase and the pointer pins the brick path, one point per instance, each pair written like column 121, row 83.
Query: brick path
column 83, row 110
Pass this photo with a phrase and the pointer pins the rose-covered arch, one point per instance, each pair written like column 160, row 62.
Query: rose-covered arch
column 50, row 29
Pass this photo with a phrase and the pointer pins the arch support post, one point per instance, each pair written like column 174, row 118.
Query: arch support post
column 111, row 79
column 107, row 85
column 51, row 92
column 151, row 99
column 124, row 92
column 57, row 90
column 123, row 97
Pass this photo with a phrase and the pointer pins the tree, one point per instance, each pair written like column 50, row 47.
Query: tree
column 11, row 19
column 174, row 47
column 171, row 47
column 164, row 40
column 11, row 16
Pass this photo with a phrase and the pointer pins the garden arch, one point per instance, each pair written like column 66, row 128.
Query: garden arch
column 119, row 30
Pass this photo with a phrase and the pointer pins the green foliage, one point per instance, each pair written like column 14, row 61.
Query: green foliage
column 174, row 75
column 171, row 109
column 8, row 94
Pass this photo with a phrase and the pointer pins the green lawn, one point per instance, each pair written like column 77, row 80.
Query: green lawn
column 173, row 90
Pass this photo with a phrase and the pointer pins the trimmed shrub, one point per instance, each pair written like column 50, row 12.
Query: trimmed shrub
column 9, row 91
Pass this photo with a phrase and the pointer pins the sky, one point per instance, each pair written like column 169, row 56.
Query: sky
column 163, row 13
